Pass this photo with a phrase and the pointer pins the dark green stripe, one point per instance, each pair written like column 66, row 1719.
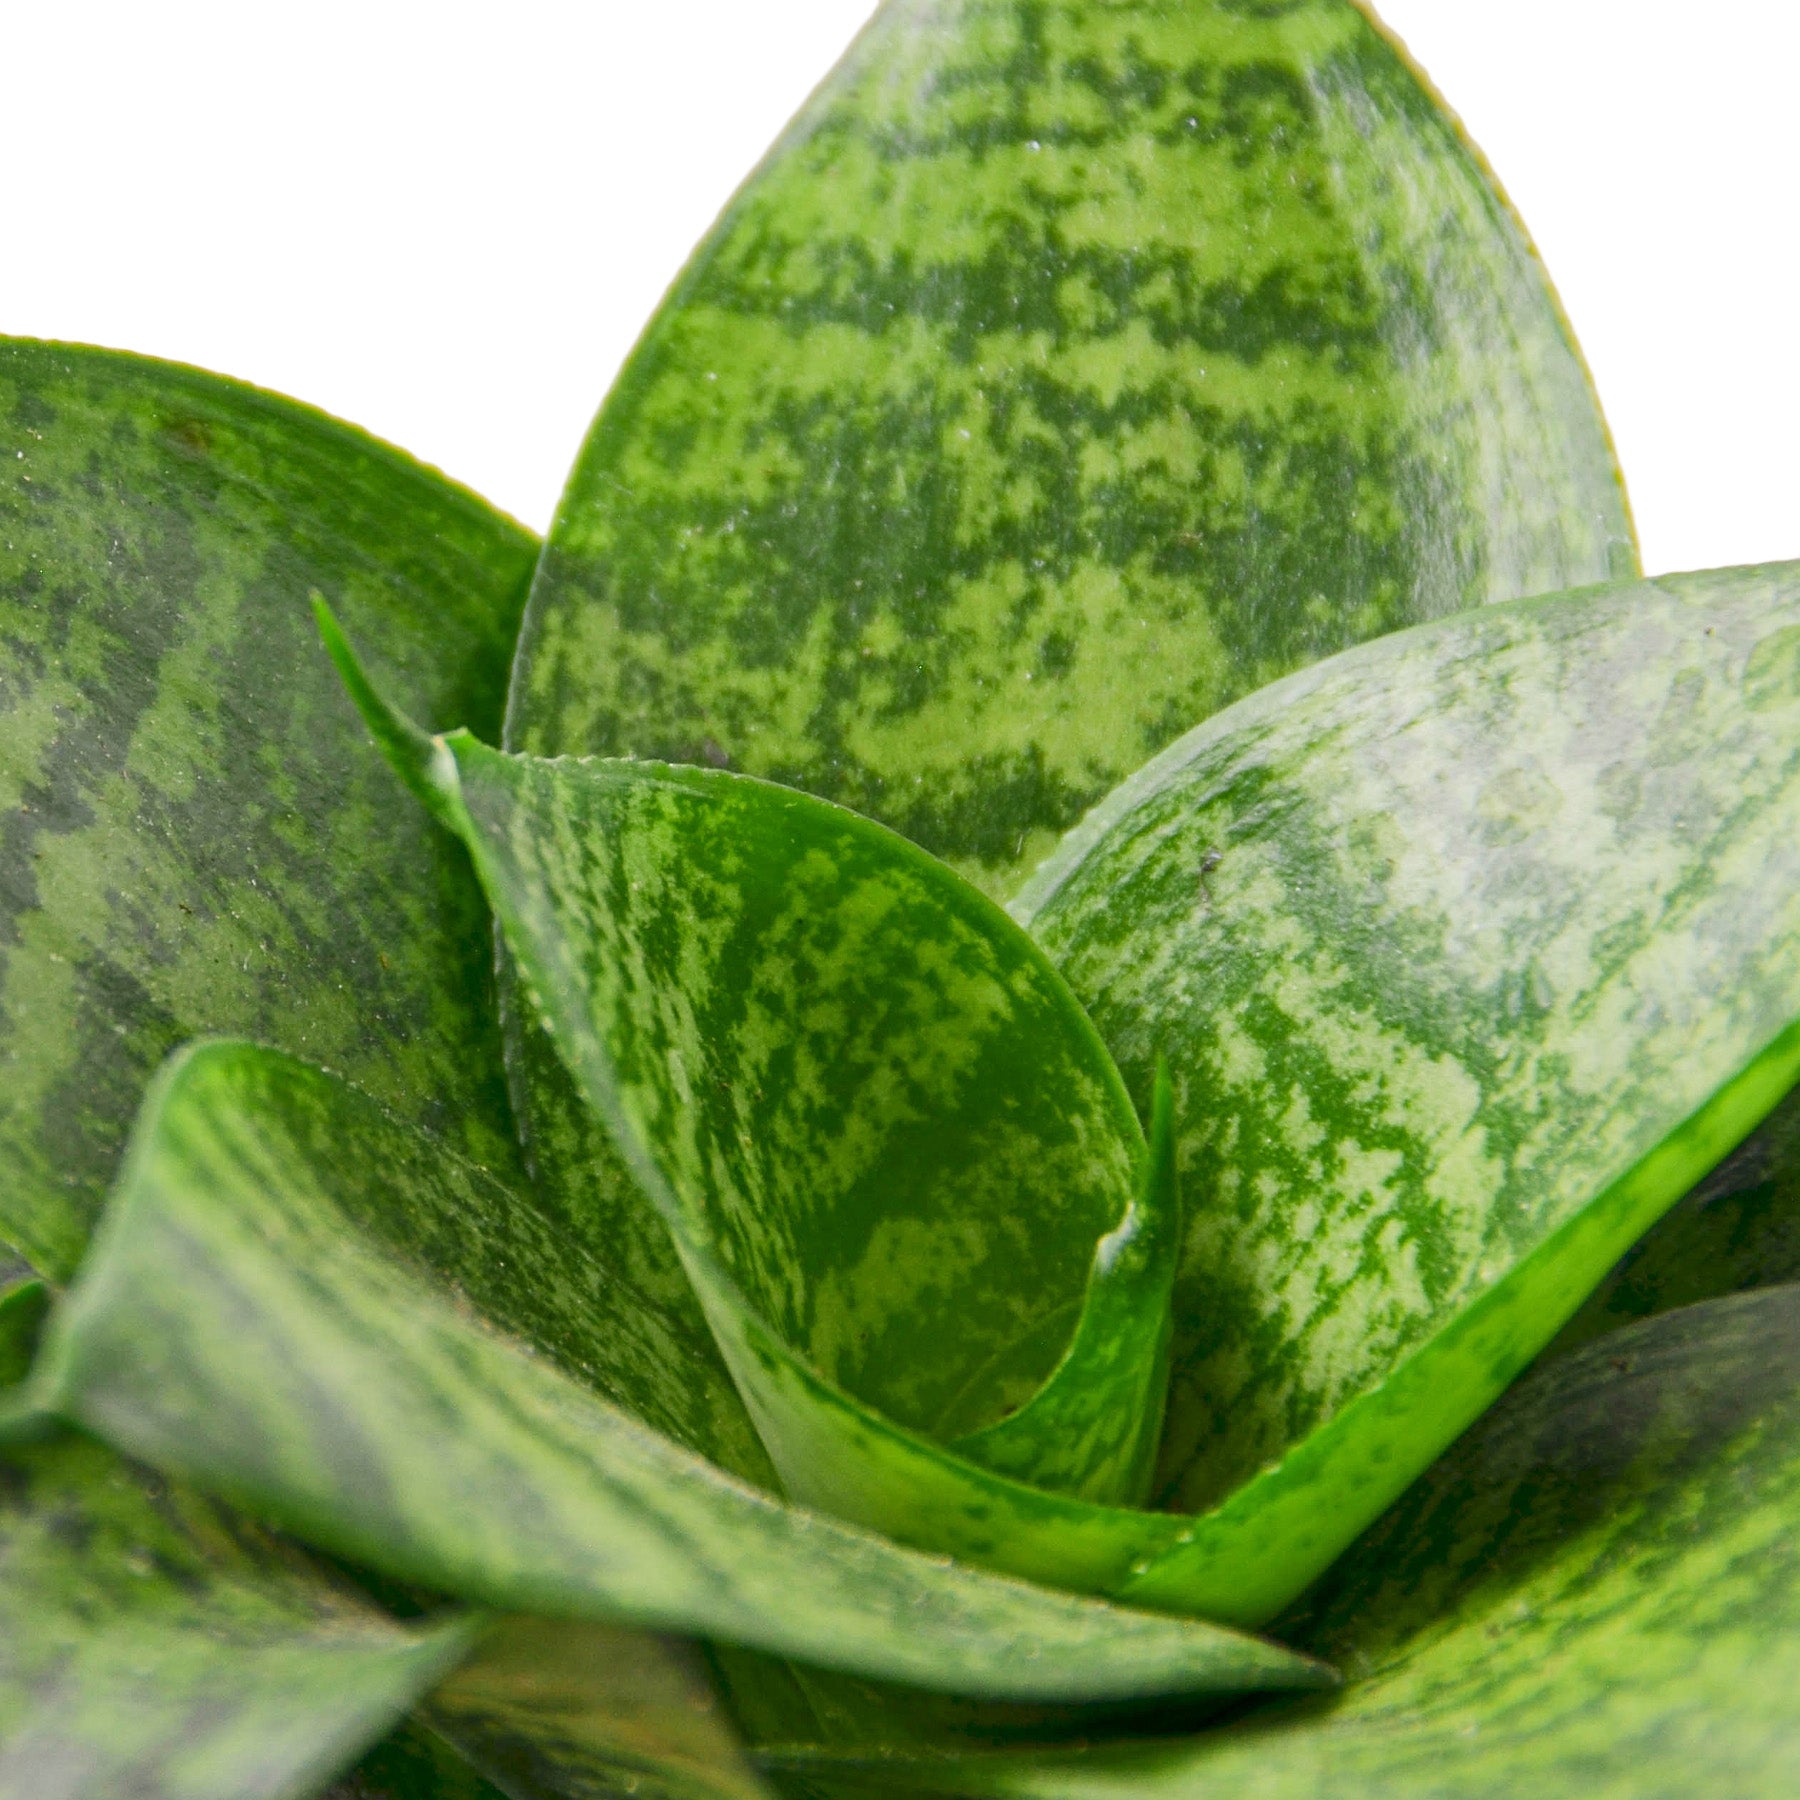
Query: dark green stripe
column 194, row 833
column 1066, row 372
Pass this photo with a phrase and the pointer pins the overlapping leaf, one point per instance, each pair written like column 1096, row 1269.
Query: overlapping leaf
column 896, row 1162
column 1737, row 1229
column 1255, row 904
column 553, row 1708
column 1064, row 373
column 1471, row 950
column 1597, row 1592
column 284, row 1306
column 192, row 837
column 150, row 1642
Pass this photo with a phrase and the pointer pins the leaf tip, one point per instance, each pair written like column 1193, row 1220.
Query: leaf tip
column 415, row 755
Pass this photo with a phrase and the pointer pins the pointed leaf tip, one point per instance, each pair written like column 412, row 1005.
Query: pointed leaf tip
column 412, row 752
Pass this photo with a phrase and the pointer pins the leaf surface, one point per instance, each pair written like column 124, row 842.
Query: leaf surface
column 150, row 1642
column 413, row 1763
column 1737, row 1229
column 893, row 1157
column 259, row 1314
column 1470, row 950
column 1596, row 1592
column 1064, row 373
column 193, row 835
column 556, row 1708
column 23, row 1304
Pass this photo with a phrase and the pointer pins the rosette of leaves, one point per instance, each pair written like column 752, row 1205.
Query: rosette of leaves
column 897, row 1116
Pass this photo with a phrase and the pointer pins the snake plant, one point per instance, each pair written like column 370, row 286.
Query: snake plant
column 1054, row 1066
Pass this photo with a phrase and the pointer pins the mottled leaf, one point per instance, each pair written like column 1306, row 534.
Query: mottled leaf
column 193, row 835
column 1065, row 372
column 255, row 1316
column 1597, row 1592
column 151, row 1644
column 1471, row 950
column 891, row 1153
column 584, row 1710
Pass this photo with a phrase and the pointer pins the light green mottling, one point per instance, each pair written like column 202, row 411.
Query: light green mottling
column 152, row 1644
column 1064, row 373
column 1597, row 1593
column 193, row 834
column 1446, row 940
column 885, row 1141
column 250, row 1317
column 1068, row 1435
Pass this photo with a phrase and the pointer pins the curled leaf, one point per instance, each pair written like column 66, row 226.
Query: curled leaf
column 271, row 1310
column 1470, row 950
column 192, row 837
column 151, row 1642
column 897, row 1165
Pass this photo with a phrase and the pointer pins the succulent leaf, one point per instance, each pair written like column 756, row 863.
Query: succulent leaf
column 1470, row 951
column 150, row 1642
column 1064, row 373
column 192, row 835
column 273, row 1309
column 1597, row 1591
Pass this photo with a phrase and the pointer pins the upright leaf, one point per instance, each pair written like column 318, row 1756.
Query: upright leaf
column 263, row 1313
column 1597, row 1592
column 892, row 1155
column 150, row 1642
column 193, row 836
column 1470, row 950
column 1067, row 371
column 1064, row 373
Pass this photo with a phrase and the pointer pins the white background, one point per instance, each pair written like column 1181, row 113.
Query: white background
column 447, row 222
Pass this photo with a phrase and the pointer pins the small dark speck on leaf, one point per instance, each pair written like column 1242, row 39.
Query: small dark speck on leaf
column 1208, row 863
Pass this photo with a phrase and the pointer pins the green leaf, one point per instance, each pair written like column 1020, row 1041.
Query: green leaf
column 893, row 1157
column 193, row 836
column 645, row 1342
column 23, row 1304
column 1738, row 1229
column 554, row 1708
column 413, row 1764
column 1064, row 373
column 1597, row 1592
column 1471, row 950
column 1067, row 1436
column 150, row 1642
column 271, row 1308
